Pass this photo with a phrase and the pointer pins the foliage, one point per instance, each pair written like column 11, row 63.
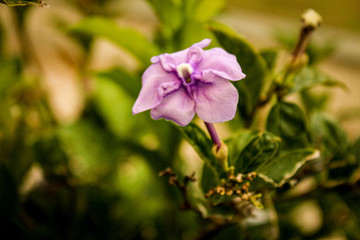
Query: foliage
column 97, row 177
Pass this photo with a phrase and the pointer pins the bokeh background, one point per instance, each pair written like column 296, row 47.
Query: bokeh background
column 74, row 161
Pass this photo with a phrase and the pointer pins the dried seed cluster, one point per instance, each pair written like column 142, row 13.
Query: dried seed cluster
column 237, row 186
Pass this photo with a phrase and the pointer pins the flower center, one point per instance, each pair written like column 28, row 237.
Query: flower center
column 184, row 71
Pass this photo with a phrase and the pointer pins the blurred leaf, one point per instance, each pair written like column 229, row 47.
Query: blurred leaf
column 169, row 12
column 330, row 135
column 127, row 38
column 14, row 3
column 285, row 165
column 203, row 146
column 114, row 105
column 314, row 101
column 309, row 77
column 270, row 56
column 93, row 151
column 257, row 153
column 288, row 121
column 251, row 62
column 194, row 32
column 10, row 73
column 238, row 143
column 206, row 9
column 130, row 83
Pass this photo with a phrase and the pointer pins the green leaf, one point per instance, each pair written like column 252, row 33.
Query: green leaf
column 313, row 100
column 129, row 82
column 251, row 62
column 238, row 143
column 10, row 73
column 127, row 38
column 16, row 3
column 203, row 146
column 328, row 133
column 285, row 165
column 288, row 121
column 257, row 153
column 169, row 13
column 309, row 77
column 270, row 56
column 93, row 150
column 114, row 105
column 194, row 32
column 206, row 9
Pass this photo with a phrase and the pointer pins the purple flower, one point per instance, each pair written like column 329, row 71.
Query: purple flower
column 178, row 85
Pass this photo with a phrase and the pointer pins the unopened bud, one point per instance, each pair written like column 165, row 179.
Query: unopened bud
column 311, row 19
column 221, row 154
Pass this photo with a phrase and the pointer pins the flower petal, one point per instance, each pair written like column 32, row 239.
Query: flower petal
column 194, row 55
column 177, row 107
column 203, row 43
column 216, row 101
column 218, row 62
column 156, row 84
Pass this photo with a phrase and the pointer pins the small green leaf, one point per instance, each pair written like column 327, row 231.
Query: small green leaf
column 285, row 165
column 194, row 32
column 114, row 105
column 206, row 9
column 251, row 62
column 257, row 153
column 16, row 3
column 330, row 135
column 129, row 82
column 203, row 146
column 313, row 100
column 169, row 13
column 238, row 143
column 127, row 38
column 10, row 73
column 288, row 121
column 309, row 77
column 270, row 56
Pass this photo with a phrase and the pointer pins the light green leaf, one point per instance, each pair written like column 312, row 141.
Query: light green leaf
column 114, row 105
column 10, row 73
column 129, row 39
column 238, row 143
column 169, row 13
column 94, row 151
column 194, row 32
column 270, row 56
column 288, row 121
column 285, row 165
column 251, row 62
column 129, row 82
column 16, row 3
column 257, row 153
column 309, row 77
column 203, row 146
column 206, row 9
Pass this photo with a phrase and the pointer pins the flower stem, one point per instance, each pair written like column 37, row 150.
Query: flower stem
column 213, row 134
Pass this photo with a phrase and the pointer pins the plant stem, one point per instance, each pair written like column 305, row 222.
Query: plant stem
column 213, row 134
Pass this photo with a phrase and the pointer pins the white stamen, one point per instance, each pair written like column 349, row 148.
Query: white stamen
column 184, row 70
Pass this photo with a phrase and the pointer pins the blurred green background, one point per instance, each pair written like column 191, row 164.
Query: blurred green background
column 75, row 163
